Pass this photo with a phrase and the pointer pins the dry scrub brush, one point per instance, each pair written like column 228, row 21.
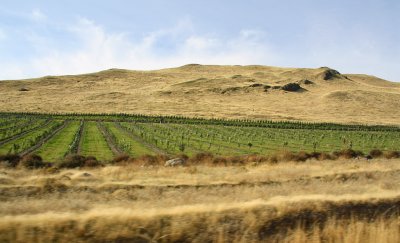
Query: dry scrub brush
column 32, row 161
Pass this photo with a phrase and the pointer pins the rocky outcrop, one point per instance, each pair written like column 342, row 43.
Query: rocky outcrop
column 329, row 74
column 291, row 87
column 305, row 82
column 175, row 162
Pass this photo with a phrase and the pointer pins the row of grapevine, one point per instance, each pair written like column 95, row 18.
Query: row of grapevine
column 104, row 139
column 44, row 138
column 20, row 130
column 73, row 147
column 29, row 139
column 115, row 146
column 93, row 143
column 202, row 121
column 242, row 140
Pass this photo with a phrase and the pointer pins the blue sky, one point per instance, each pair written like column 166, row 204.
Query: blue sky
column 49, row 37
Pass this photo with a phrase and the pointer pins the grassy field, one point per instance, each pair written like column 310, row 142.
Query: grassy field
column 19, row 126
column 57, row 147
column 318, row 201
column 93, row 143
column 110, row 135
column 127, row 141
column 20, row 143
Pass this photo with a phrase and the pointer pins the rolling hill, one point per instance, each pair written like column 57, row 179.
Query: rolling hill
column 251, row 92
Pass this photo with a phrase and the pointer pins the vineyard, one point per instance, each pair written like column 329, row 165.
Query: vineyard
column 54, row 136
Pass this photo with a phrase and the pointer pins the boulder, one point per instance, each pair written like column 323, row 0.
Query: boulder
column 266, row 88
column 330, row 74
column 291, row 87
column 175, row 162
column 85, row 174
column 255, row 85
column 306, row 82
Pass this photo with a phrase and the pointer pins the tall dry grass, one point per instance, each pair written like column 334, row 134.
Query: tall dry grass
column 322, row 201
column 301, row 220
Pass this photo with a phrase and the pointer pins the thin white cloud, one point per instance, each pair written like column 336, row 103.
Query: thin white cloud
column 3, row 35
column 11, row 71
column 94, row 48
column 99, row 49
column 37, row 15
column 350, row 50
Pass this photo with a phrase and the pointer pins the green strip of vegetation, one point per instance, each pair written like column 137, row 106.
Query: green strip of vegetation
column 58, row 146
column 138, row 138
column 30, row 139
column 17, row 128
column 93, row 143
column 124, row 141
column 201, row 121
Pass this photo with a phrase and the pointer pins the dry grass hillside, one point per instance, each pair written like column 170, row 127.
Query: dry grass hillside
column 213, row 91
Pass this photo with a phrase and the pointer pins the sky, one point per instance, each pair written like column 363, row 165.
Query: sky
column 47, row 37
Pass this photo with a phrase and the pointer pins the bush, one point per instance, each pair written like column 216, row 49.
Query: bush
column 392, row 154
column 77, row 161
column 254, row 158
column 201, row 158
column 91, row 161
column 375, row 153
column 325, row 156
column 302, row 156
column 11, row 160
column 151, row 160
column 32, row 161
column 285, row 156
column 236, row 160
column 273, row 159
column 121, row 158
column 73, row 161
column 347, row 154
column 220, row 161
column 183, row 156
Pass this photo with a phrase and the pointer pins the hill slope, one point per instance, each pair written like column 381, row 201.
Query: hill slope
column 255, row 92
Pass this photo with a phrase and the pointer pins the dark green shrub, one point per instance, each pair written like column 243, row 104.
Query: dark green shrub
column 33, row 161
column 11, row 160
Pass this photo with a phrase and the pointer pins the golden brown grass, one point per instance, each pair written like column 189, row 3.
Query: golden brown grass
column 199, row 91
column 320, row 201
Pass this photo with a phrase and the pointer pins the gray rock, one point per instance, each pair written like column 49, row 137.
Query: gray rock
column 330, row 74
column 85, row 174
column 291, row 87
column 255, row 85
column 305, row 81
column 175, row 162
